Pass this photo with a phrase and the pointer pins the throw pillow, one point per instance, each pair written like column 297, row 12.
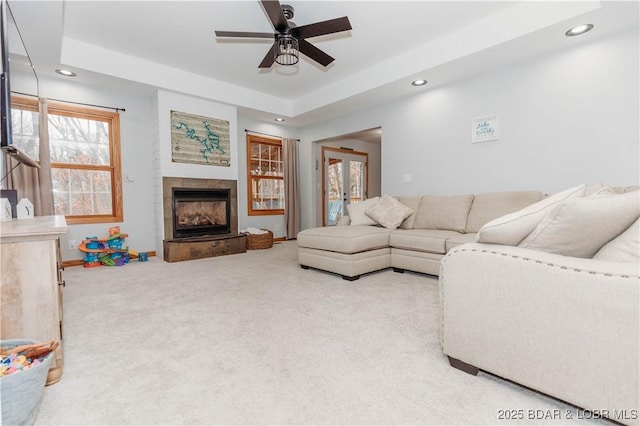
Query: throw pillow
column 343, row 221
column 579, row 227
column 512, row 228
column 389, row 212
column 624, row 248
column 357, row 212
column 442, row 212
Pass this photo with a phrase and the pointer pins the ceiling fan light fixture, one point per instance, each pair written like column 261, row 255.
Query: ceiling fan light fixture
column 286, row 50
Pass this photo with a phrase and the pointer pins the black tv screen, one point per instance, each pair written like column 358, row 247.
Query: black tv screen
column 17, row 68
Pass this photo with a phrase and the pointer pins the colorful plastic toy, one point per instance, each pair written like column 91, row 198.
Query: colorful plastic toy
column 107, row 251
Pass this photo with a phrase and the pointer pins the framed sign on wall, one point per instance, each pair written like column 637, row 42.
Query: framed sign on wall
column 199, row 140
column 484, row 129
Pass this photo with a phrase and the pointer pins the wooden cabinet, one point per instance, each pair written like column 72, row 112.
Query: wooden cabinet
column 31, row 285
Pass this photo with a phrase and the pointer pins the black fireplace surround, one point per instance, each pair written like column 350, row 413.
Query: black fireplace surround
column 201, row 211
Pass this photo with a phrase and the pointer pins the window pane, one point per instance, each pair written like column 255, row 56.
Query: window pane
column 26, row 133
column 78, row 140
column 266, row 172
column 82, row 192
column 355, row 179
column 267, row 194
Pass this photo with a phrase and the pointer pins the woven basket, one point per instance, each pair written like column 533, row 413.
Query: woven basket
column 22, row 392
column 260, row 241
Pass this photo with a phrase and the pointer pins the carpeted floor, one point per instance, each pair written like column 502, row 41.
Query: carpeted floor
column 254, row 339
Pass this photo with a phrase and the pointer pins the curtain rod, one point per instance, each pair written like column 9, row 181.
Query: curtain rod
column 71, row 102
column 266, row 134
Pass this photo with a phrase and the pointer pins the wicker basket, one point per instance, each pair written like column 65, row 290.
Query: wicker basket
column 21, row 392
column 260, row 241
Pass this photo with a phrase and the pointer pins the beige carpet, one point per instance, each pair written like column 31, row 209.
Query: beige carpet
column 254, row 339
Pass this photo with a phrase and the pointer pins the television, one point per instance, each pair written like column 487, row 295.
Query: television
column 14, row 59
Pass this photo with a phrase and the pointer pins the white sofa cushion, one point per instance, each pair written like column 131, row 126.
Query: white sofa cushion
column 389, row 212
column 458, row 240
column 426, row 240
column 512, row 228
column 624, row 248
column 442, row 212
column 580, row 227
column 486, row 207
column 357, row 212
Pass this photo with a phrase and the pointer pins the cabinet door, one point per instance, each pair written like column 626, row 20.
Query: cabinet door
column 30, row 303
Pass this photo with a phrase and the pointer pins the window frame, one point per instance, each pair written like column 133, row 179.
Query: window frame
column 115, row 164
column 255, row 139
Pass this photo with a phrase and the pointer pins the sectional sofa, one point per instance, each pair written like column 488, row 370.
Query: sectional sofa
column 550, row 299
column 542, row 291
column 415, row 242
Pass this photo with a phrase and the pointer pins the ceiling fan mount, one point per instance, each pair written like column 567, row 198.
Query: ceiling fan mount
column 288, row 11
column 289, row 39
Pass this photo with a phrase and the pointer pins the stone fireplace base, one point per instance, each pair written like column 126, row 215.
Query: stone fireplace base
column 201, row 247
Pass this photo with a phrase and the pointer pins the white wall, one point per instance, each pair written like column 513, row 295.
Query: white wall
column 275, row 224
column 135, row 144
column 566, row 118
column 165, row 102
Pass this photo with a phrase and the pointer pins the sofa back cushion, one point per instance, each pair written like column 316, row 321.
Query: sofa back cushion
column 512, row 228
column 486, row 207
column 442, row 212
column 623, row 189
column 413, row 202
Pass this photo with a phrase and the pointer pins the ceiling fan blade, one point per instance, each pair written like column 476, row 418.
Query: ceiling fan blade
column 314, row 53
column 274, row 10
column 243, row 34
column 321, row 28
column 269, row 58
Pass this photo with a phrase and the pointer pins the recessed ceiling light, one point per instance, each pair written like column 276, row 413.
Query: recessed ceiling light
column 419, row 83
column 66, row 73
column 580, row 29
column 279, row 119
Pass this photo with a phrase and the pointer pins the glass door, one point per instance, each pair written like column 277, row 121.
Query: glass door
column 345, row 181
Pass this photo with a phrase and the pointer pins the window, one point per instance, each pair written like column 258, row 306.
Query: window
column 265, row 176
column 85, row 161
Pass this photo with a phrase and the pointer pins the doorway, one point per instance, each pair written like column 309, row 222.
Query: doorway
column 344, row 181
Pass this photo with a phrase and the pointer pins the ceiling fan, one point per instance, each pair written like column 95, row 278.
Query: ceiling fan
column 290, row 40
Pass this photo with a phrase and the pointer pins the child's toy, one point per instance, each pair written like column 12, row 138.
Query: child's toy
column 107, row 251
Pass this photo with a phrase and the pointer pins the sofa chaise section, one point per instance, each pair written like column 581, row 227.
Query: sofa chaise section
column 349, row 251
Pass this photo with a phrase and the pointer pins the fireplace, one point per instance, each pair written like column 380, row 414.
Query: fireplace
column 201, row 211
column 200, row 218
